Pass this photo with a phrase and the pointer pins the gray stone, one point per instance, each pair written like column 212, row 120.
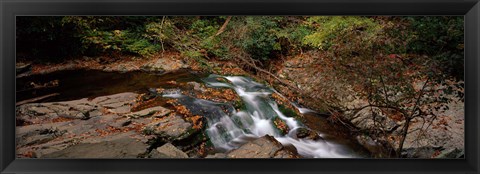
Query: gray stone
column 451, row 153
column 116, row 100
column 120, row 110
column 164, row 64
column 307, row 134
column 374, row 147
column 158, row 111
column 119, row 148
column 264, row 147
column 171, row 127
column 285, row 154
column 36, row 137
column 364, row 119
column 168, row 151
column 197, row 86
column 40, row 110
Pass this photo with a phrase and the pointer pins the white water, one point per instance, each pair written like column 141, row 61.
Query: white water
column 228, row 131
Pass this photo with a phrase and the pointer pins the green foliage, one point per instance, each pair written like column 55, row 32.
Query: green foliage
column 396, row 64
column 204, row 28
column 287, row 111
column 329, row 28
column 143, row 47
column 260, row 39
column 291, row 37
column 159, row 31
column 136, row 39
column 441, row 38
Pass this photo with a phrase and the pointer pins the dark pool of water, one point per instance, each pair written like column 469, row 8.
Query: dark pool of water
column 77, row 84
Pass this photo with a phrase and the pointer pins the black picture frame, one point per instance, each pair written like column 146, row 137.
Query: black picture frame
column 470, row 9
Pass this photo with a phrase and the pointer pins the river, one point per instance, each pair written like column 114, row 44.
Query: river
column 228, row 128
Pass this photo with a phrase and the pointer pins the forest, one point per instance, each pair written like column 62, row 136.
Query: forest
column 240, row 86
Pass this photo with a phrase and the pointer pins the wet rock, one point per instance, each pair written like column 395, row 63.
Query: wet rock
column 285, row 154
column 197, row 86
column 264, row 147
column 157, row 111
column 119, row 148
column 307, row 134
column 281, row 125
column 168, row 151
column 171, row 127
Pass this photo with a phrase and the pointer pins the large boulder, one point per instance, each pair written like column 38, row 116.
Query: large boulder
column 168, row 151
column 37, row 113
column 264, row 147
column 364, row 119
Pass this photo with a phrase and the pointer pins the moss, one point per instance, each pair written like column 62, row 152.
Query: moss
column 148, row 131
column 239, row 105
column 287, row 111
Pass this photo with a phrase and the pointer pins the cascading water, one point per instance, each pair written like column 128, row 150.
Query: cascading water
column 228, row 128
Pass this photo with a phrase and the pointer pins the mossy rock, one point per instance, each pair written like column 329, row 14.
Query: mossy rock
column 281, row 125
column 287, row 111
column 305, row 133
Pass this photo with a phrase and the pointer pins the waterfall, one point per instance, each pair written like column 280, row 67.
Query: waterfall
column 228, row 128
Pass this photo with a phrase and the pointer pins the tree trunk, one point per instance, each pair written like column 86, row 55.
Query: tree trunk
column 404, row 136
column 220, row 31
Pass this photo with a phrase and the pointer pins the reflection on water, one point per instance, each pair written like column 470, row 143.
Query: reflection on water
column 77, row 84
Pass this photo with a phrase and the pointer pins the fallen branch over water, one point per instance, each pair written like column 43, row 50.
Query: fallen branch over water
column 252, row 64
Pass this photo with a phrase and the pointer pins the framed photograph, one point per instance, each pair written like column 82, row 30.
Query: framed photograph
column 239, row 87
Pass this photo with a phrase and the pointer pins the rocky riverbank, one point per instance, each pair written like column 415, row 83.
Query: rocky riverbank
column 442, row 137
column 145, row 122
column 160, row 63
column 122, row 126
column 130, row 125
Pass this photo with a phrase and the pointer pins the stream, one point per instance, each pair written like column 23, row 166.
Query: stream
column 228, row 128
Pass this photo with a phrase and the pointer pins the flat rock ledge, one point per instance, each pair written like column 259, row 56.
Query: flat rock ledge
column 264, row 147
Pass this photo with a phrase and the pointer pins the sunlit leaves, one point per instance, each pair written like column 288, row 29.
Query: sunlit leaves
column 329, row 28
